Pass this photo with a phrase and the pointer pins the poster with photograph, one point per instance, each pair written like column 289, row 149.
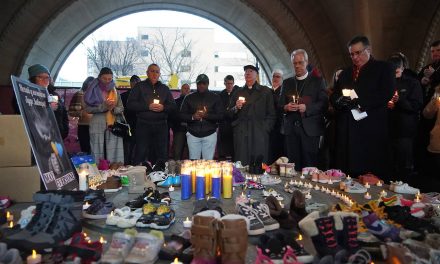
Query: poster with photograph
column 47, row 145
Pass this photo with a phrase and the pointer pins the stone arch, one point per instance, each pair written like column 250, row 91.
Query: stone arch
column 79, row 19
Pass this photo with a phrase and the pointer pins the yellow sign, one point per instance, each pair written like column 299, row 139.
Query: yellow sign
column 173, row 83
column 124, row 81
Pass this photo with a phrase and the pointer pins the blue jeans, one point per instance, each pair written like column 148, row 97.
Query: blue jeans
column 204, row 146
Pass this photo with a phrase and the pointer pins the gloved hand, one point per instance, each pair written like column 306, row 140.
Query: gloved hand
column 343, row 103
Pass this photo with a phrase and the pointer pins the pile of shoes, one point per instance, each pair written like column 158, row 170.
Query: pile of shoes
column 57, row 217
column 10, row 256
column 80, row 250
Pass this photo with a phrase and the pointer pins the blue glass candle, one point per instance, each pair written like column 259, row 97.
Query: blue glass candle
column 216, row 183
column 200, row 183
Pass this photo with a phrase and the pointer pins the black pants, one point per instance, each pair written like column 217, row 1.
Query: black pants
column 129, row 148
column 301, row 149
column 276, row 145
column 179, row 144
column 225, row 142
column 84, row 138
column 151, row 138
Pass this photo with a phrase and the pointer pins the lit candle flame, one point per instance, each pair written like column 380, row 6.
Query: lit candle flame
column 87, row 204
column 176, row 261
column 187, row 218
column 101, row 240
column 8, row 215
column 34, row 253
column 300, row 237
column 85, row 234
column 11, row 224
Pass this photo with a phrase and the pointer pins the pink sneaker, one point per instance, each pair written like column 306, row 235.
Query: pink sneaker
column 335, row 175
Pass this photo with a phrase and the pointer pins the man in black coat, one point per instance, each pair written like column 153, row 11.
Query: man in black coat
column 202, row 110
column 152, row 101
column 362, row 144
column 225, row 142
column 303, row 101
column 253, row 114
column 404, row 108
column 276, row 139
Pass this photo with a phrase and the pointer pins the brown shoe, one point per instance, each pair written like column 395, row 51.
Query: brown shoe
column 204, row 237
column 233, row 239
column 298, row 206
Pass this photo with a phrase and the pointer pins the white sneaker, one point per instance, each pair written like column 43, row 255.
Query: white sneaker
column 266, row 179
column 354, row 187
column 113, row 218
column 405, row 188
column 272, row 192
column 146, row 248
column 130, row 219
column 119, row 248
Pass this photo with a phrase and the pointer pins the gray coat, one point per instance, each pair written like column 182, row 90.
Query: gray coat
column 252, row 124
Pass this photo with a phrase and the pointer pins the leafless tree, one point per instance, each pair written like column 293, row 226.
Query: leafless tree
column 120, row 56
column 172, row 51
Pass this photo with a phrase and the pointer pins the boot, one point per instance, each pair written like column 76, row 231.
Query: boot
column 204, row 237
column 282, row 216
column 64, row 221
column 233, row 239
column 298, row 206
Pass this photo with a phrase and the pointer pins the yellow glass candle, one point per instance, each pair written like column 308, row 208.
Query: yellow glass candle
column 193, row 178
column 227, row 182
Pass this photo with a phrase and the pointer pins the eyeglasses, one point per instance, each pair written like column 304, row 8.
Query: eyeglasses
column 45, row 78
column 357, row 53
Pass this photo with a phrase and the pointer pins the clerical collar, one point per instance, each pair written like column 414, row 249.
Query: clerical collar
column 300, row 78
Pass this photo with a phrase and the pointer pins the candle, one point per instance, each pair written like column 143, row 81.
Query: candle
column 367, row 196
column 200, row 183
column 34, row 258
column 330, row 181
column 171, row 188
column 308, row 196
column 300, row 237
column 348, row 178
column 302, row 176
column 346, row 92
column 294, row 99
column 227, row 183
column 317, row 187
column 367, row 185
column 9, row 216
column 156, row 101
column 379, row 184
column 185, row 176
column 241, row 98
column 11, row 224
column 193, row 179
column 216, row 183
column 187, row 223
column 83, row 174
column 207, row 180
column 102, row 240
column 176, row 261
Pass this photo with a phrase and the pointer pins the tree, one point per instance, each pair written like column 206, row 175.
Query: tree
column 120, row 56
column 172, row 51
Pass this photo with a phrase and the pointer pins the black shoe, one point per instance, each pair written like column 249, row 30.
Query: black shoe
column 139, row 201
column 157, row 197
column 402, row 215
column 302, row 255
column 92, row 195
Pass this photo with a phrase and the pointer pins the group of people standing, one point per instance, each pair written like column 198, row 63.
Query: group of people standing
column 369, row 120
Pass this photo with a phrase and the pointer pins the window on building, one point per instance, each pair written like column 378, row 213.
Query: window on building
column 216, row 54
column 144, row 37
column 215, row 68
column 185, row 68
column 186, row 53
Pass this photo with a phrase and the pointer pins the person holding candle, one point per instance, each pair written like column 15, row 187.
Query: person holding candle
column 303, row 100
column 253, row 119
column 225, row 146
column 431, row 111
column 103, row 101
column 202, row 110
column 404, row 108
column 152, row 116
column 362, row 122
column 276, row 146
